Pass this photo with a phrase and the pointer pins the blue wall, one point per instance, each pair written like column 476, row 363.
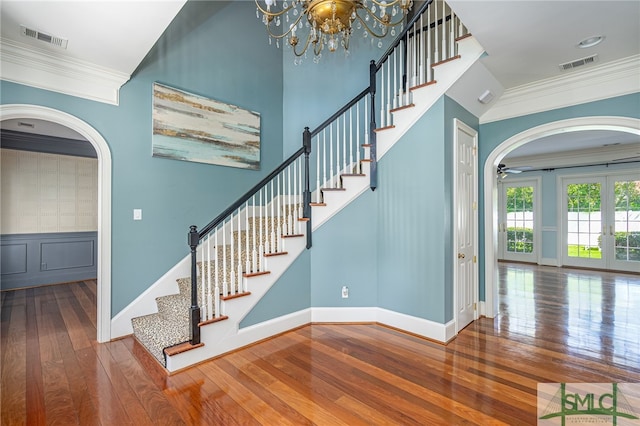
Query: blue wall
column 493, row 134
column 176, row 194
column 391, row 247
column 291, row 293
column 315, row 91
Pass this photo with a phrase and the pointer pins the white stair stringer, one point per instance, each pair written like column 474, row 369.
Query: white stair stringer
column 445, row 75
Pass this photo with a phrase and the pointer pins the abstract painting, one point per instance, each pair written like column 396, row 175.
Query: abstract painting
column 190, row 127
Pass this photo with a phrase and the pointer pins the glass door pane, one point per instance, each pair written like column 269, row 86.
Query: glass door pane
column 518, row 221
column 624, row 235
column 583, row 236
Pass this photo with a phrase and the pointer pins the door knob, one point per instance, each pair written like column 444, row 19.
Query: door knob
column 460, row 255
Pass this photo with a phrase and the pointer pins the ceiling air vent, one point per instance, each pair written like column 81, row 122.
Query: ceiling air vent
column 578, row 63
column 47, row 38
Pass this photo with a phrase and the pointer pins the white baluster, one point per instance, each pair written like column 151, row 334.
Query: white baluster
column 344, row 148
column 436, row 54
column 410, row 60
column 318, row 171
column 388, row 64
column 331, row 155
column 294, row 198
column 358, row 147
column 246, row 238
column 289, row 230
column 396, row 98
column 300, row 203
column 452, row 35
column 216, row 292
column 351, row 140
column 278, row 221
column 232, row 267
column 335, row 176
column 383, row 114
column 400, row 64
column 273, row 247
column 254, row 250
column 225, row 283
column 422, row 71
column 367, row 121
column 444, row 32
column 324, row 161
column 428, row 70
column 209, row 300
column 262, row 222
column 203, row 309
column 239, row 252
column 281, row 212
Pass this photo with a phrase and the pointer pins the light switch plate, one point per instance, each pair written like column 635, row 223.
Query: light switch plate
column 137, row 214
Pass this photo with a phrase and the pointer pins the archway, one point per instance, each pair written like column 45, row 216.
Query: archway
column 13, row 111
column 620, row 124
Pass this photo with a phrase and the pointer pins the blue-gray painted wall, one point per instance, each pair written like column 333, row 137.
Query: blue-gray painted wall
column 291, row 293
column 315, row 91
column 493, row 134
column 195, row 54
column 29, row 260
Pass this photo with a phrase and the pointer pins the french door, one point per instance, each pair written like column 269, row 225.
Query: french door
column 601, row 218
column 517, row 227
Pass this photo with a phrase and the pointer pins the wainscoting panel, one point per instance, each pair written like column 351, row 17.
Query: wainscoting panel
column 38, row 259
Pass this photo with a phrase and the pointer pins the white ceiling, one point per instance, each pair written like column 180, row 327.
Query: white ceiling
column 112, row 34
column 525, row 41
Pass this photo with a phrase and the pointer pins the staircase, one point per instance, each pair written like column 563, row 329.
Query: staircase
column 242, row 253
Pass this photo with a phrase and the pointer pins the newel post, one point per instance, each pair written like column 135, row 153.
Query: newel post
column 373, row 178
column 194, row 334
column 306, row 142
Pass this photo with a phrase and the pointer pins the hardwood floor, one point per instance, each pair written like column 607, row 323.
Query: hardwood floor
column 556, row 325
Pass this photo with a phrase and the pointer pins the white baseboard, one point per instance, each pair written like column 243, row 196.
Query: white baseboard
column 328, row 315
column 236, row 339
column 272, row 327
column 482, row 310
column 548, row 261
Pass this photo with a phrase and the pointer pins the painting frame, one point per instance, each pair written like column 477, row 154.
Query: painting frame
column 192, row 127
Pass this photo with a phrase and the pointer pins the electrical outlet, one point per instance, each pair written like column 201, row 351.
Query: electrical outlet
column 345, row 292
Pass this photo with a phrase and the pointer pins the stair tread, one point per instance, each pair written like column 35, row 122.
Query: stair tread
column 156, row 333
column 182, row 347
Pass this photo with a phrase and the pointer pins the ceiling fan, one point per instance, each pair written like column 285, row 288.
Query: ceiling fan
column 503, row 170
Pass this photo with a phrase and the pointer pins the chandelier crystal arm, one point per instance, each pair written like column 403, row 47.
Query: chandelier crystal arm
column 384, row 24
column 295, row 52
column 284, row 34
column 372, row 32
column 271, row 14
column 404, row 5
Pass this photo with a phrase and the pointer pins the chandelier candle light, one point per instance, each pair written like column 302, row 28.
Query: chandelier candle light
column 329, row 22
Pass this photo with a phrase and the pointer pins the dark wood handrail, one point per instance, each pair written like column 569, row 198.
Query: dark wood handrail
column 341, row 111
column 240, row 201
column 404, row 32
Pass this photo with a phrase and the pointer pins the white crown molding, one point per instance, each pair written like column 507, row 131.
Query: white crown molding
column 44, row 69
column 612, row 79
column 590, row 156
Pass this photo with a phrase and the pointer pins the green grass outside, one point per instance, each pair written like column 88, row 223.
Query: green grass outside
column 580, row 251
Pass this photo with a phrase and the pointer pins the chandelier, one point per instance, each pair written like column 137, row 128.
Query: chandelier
column 329, row 22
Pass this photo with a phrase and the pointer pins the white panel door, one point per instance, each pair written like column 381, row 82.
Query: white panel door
column 465, row 232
